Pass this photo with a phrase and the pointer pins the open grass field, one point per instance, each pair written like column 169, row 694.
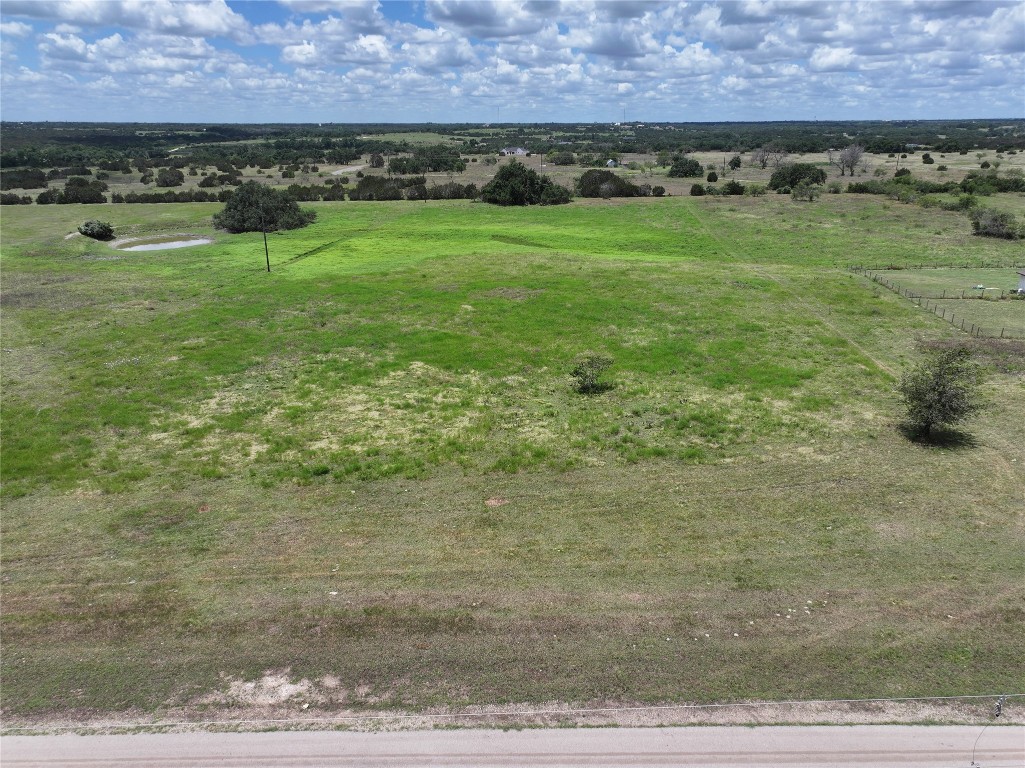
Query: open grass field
column 367, row 471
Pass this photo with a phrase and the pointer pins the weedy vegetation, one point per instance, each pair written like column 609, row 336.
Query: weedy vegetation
column 369, row 469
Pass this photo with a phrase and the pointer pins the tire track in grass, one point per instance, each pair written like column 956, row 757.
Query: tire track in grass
column 760, row 270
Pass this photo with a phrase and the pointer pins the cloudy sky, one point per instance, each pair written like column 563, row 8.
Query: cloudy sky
column 510, row 60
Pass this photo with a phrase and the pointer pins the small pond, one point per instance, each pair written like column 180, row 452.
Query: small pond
column 162, row 243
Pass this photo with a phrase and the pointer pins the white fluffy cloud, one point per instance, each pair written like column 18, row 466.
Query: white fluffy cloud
column 537, row 59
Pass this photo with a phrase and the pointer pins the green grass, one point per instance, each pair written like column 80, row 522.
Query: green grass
column 197, row 454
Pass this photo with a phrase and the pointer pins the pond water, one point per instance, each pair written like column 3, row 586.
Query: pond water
column 163, row 245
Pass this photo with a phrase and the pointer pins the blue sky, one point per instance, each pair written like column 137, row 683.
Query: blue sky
column 514, row 60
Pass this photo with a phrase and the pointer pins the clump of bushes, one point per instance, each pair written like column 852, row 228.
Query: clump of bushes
column 697, row 190
column 806, row 190
column 987, row 222
column 602, row 183
column 97, row 230
column 515, row 184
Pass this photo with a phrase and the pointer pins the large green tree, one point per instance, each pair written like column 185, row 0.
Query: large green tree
column 254, row 207
column 941, row 391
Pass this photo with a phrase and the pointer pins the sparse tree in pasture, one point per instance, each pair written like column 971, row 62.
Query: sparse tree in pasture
column 846, row 159
column 256, row 208
column 941, row 391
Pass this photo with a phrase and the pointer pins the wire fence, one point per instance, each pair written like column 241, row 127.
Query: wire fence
column 934, row 302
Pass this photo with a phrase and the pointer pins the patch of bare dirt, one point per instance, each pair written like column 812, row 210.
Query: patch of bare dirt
column 278, row 700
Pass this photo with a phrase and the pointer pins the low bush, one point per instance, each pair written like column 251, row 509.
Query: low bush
column 987, row 222
column 588, row 372
column 97, row 230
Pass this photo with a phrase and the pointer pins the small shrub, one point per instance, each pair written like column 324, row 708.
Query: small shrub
column 805, row 190
column 834, row 188
column 658, row 191
column 901, row 172
column 97, row 230
column 733, row 187
column 696, row 190
column 984, row 164
column 941, row 167
column 712, row 177
column 588, row 372
column 755, row 190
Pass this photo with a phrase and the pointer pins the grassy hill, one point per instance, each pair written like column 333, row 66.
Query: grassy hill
column 369, row 467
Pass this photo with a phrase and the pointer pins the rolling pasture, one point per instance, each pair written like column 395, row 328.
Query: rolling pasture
column 367, row 471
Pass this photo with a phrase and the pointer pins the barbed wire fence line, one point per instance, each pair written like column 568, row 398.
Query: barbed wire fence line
column 933, row 302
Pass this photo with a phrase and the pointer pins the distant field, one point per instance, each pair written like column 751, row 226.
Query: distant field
column 368, row 469
column 954, row 293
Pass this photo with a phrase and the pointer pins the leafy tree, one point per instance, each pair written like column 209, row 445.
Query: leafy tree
column 696, row 190
column 256, row 208
column 376, row 161
column 97, row 230
column 170, row 177
column 515, row 184
column 734, row 163
column 789, row 174
column 733, row 187
column 684, row 167
column 941, row 391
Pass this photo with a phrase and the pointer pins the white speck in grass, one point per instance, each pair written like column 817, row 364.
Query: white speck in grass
column 751, row 623
column 131, row 581
column 706, row 634
column 332, row 593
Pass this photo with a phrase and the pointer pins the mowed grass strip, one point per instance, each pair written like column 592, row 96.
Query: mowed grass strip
column 197, row 454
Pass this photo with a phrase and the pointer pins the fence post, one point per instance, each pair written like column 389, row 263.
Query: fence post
column 1001, row 333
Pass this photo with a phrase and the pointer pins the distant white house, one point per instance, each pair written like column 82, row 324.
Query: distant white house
column 1021, row 282
column 514, row 151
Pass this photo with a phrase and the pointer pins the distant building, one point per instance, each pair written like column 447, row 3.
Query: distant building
column 610, row 164
column 514, row 151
